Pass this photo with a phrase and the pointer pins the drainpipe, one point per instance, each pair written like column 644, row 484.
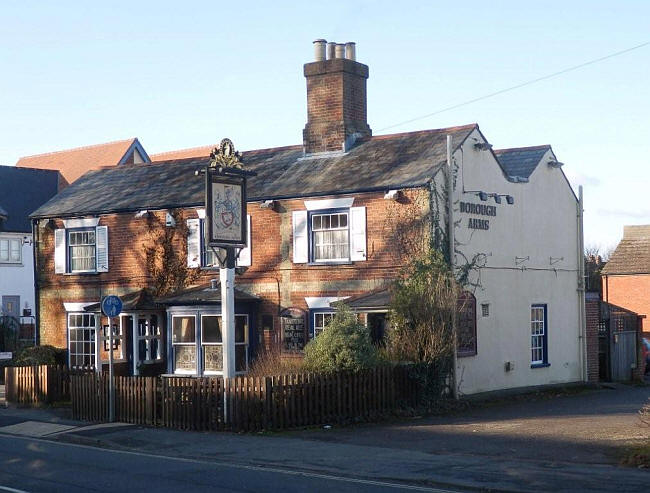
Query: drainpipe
column 450, row 228
column 37, row 304
column 581, row 288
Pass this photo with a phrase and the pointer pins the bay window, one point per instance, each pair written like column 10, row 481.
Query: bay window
column 184, row 344
column 149, row 335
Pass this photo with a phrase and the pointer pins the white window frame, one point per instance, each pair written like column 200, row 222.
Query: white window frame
column 316, row 330
column 148, row 337
column 203, row 344
column 69, row 247
column 312, row 233
column 191, row 344
column 118, row 339
column 538, row 335
column 92, row 329
column 9, row 249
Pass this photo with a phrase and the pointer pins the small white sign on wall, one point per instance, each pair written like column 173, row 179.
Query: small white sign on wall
column 6, row 355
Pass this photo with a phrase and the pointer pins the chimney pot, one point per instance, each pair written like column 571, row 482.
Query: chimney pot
column 340, row 50
column 319, row 50
column 350, row 51
column 331, row 49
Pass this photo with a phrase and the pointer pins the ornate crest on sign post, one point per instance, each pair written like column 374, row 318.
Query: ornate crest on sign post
column 225, row 156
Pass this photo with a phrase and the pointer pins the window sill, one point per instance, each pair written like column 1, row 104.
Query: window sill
column 11, row 264
column 466, row 354
column 88, row 273
column 540, row 365
column 331, row 262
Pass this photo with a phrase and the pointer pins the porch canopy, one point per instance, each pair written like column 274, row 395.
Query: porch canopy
column 375, row 300
column 203, row 295
column 136, row 301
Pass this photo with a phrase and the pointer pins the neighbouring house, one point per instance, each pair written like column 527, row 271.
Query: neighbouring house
column 333, row 219
column 626, row 276
column 22, row 190
column 73, row 163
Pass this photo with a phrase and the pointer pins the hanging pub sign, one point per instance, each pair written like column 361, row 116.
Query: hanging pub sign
column 225, row 198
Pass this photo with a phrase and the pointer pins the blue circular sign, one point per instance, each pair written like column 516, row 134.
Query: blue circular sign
column 111, row 306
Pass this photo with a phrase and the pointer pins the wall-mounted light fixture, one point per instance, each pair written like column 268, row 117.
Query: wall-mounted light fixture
column 140, row 214
column 392, row 195
column 483, row 196
column 497, row 198
column 510, row 199
column 268, row 204
column 482, row 146
column 555, row 164
column 170, row 222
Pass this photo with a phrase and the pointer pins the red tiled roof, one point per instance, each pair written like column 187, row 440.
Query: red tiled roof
column 192, row 152
column 72, row 163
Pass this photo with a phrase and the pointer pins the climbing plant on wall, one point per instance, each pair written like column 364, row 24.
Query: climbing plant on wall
column 165, row 253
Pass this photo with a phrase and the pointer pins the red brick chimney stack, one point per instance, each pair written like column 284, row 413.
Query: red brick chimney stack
column 336, row 98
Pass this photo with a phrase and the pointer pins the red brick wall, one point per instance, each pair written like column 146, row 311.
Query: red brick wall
column 272, row 276
column 336, row 104
column 631, row 292
column 592, row 317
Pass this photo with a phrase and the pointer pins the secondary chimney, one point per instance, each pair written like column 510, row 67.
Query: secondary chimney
column 336, row 99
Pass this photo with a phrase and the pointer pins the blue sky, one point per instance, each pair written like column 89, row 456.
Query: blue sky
column 184, row 74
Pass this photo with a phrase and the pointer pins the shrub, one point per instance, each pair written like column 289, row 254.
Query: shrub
column 344, row 345
column 270, row 362
column 40, row 355
column 423, row 307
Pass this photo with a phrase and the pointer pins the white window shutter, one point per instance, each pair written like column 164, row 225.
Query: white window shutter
column 300, row 239
column 357, row 233
column 59, row 251
column 244, row 259
column 193, row 243
column 101, row 237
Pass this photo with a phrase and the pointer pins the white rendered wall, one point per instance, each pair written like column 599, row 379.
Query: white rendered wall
column 18, row 279
column 540, row 225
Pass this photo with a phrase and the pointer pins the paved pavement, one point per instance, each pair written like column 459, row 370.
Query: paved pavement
column 565, row 443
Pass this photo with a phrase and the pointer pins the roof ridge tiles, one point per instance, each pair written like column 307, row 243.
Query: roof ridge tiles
column 423, row 132
column 81, row 148
column 526, row 148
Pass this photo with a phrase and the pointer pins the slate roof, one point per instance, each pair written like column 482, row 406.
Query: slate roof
column 138, row 300
column 378, row 163
column 632, row 255
column 23, row 190
column 521, row 161
column 202, row 295
column 375, row 299
column 73, row 163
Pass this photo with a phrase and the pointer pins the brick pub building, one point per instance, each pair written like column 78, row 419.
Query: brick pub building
column 326, row 223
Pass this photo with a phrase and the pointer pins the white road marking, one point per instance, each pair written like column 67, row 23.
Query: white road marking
column 12, row 490
column 35, row 428
column 239, row 466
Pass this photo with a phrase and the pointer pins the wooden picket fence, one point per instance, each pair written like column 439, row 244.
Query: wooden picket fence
column 247, row 403
column 36, row 385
